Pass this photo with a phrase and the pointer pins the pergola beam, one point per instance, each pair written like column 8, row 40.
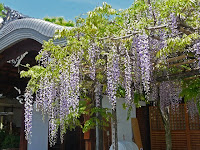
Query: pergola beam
column 180, row 75
column 6, row 113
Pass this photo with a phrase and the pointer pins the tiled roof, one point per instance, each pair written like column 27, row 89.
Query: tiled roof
column 27, row 28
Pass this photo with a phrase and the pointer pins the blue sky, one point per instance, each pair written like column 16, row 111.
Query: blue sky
column 66, row 8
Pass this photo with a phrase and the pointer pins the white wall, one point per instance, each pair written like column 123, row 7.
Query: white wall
column 39, row 139
column 124, row 125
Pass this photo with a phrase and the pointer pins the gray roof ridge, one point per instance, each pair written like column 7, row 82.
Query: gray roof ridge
column 24, row 28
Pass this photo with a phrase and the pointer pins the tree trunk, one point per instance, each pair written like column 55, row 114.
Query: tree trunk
column 114, row 130
column 166, row 122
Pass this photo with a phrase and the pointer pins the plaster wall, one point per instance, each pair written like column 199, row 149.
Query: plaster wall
column 39, row 139
column 124, row 125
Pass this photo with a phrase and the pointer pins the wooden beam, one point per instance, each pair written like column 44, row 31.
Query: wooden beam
column 6, row 113
column 180, row 75
column 183, row 63
column 176, row 58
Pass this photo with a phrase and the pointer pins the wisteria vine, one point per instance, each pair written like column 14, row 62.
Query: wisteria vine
column 129, row 51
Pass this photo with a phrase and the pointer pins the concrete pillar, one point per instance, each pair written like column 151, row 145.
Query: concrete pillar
column 39, row 139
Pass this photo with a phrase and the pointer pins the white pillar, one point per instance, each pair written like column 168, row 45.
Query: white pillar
column 39, row 139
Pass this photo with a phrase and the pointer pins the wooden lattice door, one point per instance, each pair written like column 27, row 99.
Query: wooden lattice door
column 185, row 130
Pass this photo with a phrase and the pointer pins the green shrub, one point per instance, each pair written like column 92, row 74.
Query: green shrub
column 11, row 141
column 2, row 137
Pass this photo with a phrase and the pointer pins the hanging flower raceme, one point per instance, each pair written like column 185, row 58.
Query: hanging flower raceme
column 113, row 73
column 192, row 108
column 173, row 24
column 136, row 65
column 28, row 113
column 128, row 79
column 92, row 56
column 75, row 81
column 64, row 98
column 69, row 91
column 53, row 112
column 154, row 92
column 197, row 53
column 169, row 95
column 145, row 63
column 53, row 131
column 44, row 60
column 46, row 96
column 59, row 97
column 98, row 93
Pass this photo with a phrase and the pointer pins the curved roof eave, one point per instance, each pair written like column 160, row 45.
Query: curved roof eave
column 28, row 28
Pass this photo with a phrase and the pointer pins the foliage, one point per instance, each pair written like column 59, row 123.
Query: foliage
column 73, row 120
column 60, row 21
column 11, row 141
column 191, row 89
column 114, row 50
column 2, row 137
column 1, row 9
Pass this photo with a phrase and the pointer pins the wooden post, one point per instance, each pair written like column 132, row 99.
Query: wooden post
column 136, row 132
column 87, row 138
column 187, row 128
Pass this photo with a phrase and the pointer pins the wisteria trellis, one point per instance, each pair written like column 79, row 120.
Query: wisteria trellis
column 111, row 49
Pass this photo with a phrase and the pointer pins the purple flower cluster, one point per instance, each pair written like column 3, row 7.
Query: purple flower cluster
column 192, row 108
column 28, row 113
column 197, row 53
column 56, row 97
column 46, row 96
column 92, row 55
column 173, row 24
column 154, row 92
column 45, row 57
column 145, row 65
column 136, row 65
column 169, row 95
column 69, row 91
column 113, row 74
column 128, row 79
column 98, row 93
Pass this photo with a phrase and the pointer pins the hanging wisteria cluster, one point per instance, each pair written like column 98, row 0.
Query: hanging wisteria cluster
column 192, row 108
column 98, row 94
column 197, row 52
column 169, row 95
column 92, row 55
column 136, row 65
column 28, row 113
column 128, row 79
column 129, row 51
column 113, row 74
column 142, row 64
column 55, row 98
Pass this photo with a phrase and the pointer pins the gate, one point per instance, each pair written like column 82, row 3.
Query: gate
column 185, row 130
